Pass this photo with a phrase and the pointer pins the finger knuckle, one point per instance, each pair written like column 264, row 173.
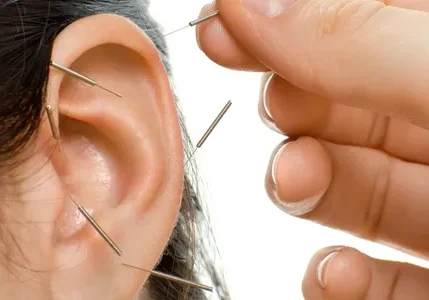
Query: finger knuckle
column 393, row 288
column 377, row 203
column 377, row 134
column 335, row 29
column 340, row 16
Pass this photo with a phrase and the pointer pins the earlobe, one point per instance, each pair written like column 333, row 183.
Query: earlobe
column 121, row 158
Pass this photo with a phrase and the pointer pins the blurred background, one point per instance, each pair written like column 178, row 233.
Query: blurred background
column 264, row 251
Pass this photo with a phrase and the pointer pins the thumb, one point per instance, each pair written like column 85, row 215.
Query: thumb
column 361, row 53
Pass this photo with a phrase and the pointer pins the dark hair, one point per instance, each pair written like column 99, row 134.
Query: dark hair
column 27, row 32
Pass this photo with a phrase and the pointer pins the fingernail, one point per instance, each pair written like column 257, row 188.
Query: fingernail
column 275, row 160
column 323, row 267
column 295, row 207
column 264, row 112
column 270, row 8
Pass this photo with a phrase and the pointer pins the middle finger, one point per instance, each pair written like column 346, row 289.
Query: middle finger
column 296, row 112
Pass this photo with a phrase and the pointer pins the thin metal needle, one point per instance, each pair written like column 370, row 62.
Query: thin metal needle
column 177, row 30
column 109, row 91
column 196, row 22
column 82, row 77
column 98, row 228
column 119, row 252
column 190, row 157
column 210, row 129
column 172, row 278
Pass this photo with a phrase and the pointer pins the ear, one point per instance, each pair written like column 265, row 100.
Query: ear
column 121, row 158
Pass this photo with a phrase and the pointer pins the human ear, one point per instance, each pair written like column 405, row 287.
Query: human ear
column 120, row 158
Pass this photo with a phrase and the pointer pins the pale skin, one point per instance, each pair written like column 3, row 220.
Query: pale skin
column 351, row 87
column 351, row 83
column 120, row 158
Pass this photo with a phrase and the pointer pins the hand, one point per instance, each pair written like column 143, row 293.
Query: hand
column 350, row 83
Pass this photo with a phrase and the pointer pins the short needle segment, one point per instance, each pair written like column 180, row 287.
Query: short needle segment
column 82, row 78
column 210, row 129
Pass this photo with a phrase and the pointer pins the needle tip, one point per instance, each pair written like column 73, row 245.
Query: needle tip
column 71, row 198
column 109, row 91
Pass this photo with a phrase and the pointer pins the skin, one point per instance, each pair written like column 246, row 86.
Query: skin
column 120, row 158
column 350, row 85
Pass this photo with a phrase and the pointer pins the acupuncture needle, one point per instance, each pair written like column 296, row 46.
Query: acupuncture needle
column 118, row 251
column 97, row 227
column 83, row 78
column 172, row 278
column 196, row 22
column 211, row 128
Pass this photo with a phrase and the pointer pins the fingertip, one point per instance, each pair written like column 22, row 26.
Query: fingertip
column 201, row 29
column 337, row 273
column 219, row 46
column 299, row 174
column 348, row 275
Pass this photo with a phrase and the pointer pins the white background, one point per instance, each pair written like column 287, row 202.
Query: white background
column 265, row 252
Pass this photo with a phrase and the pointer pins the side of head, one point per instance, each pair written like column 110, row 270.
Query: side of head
column 121, row 158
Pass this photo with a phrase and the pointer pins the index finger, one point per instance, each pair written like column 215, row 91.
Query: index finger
column 373, row 56
column 218, row 44
column 221, row 47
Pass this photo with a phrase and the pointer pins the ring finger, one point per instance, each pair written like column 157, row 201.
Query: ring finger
column 288, row 109
column 359, row 190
